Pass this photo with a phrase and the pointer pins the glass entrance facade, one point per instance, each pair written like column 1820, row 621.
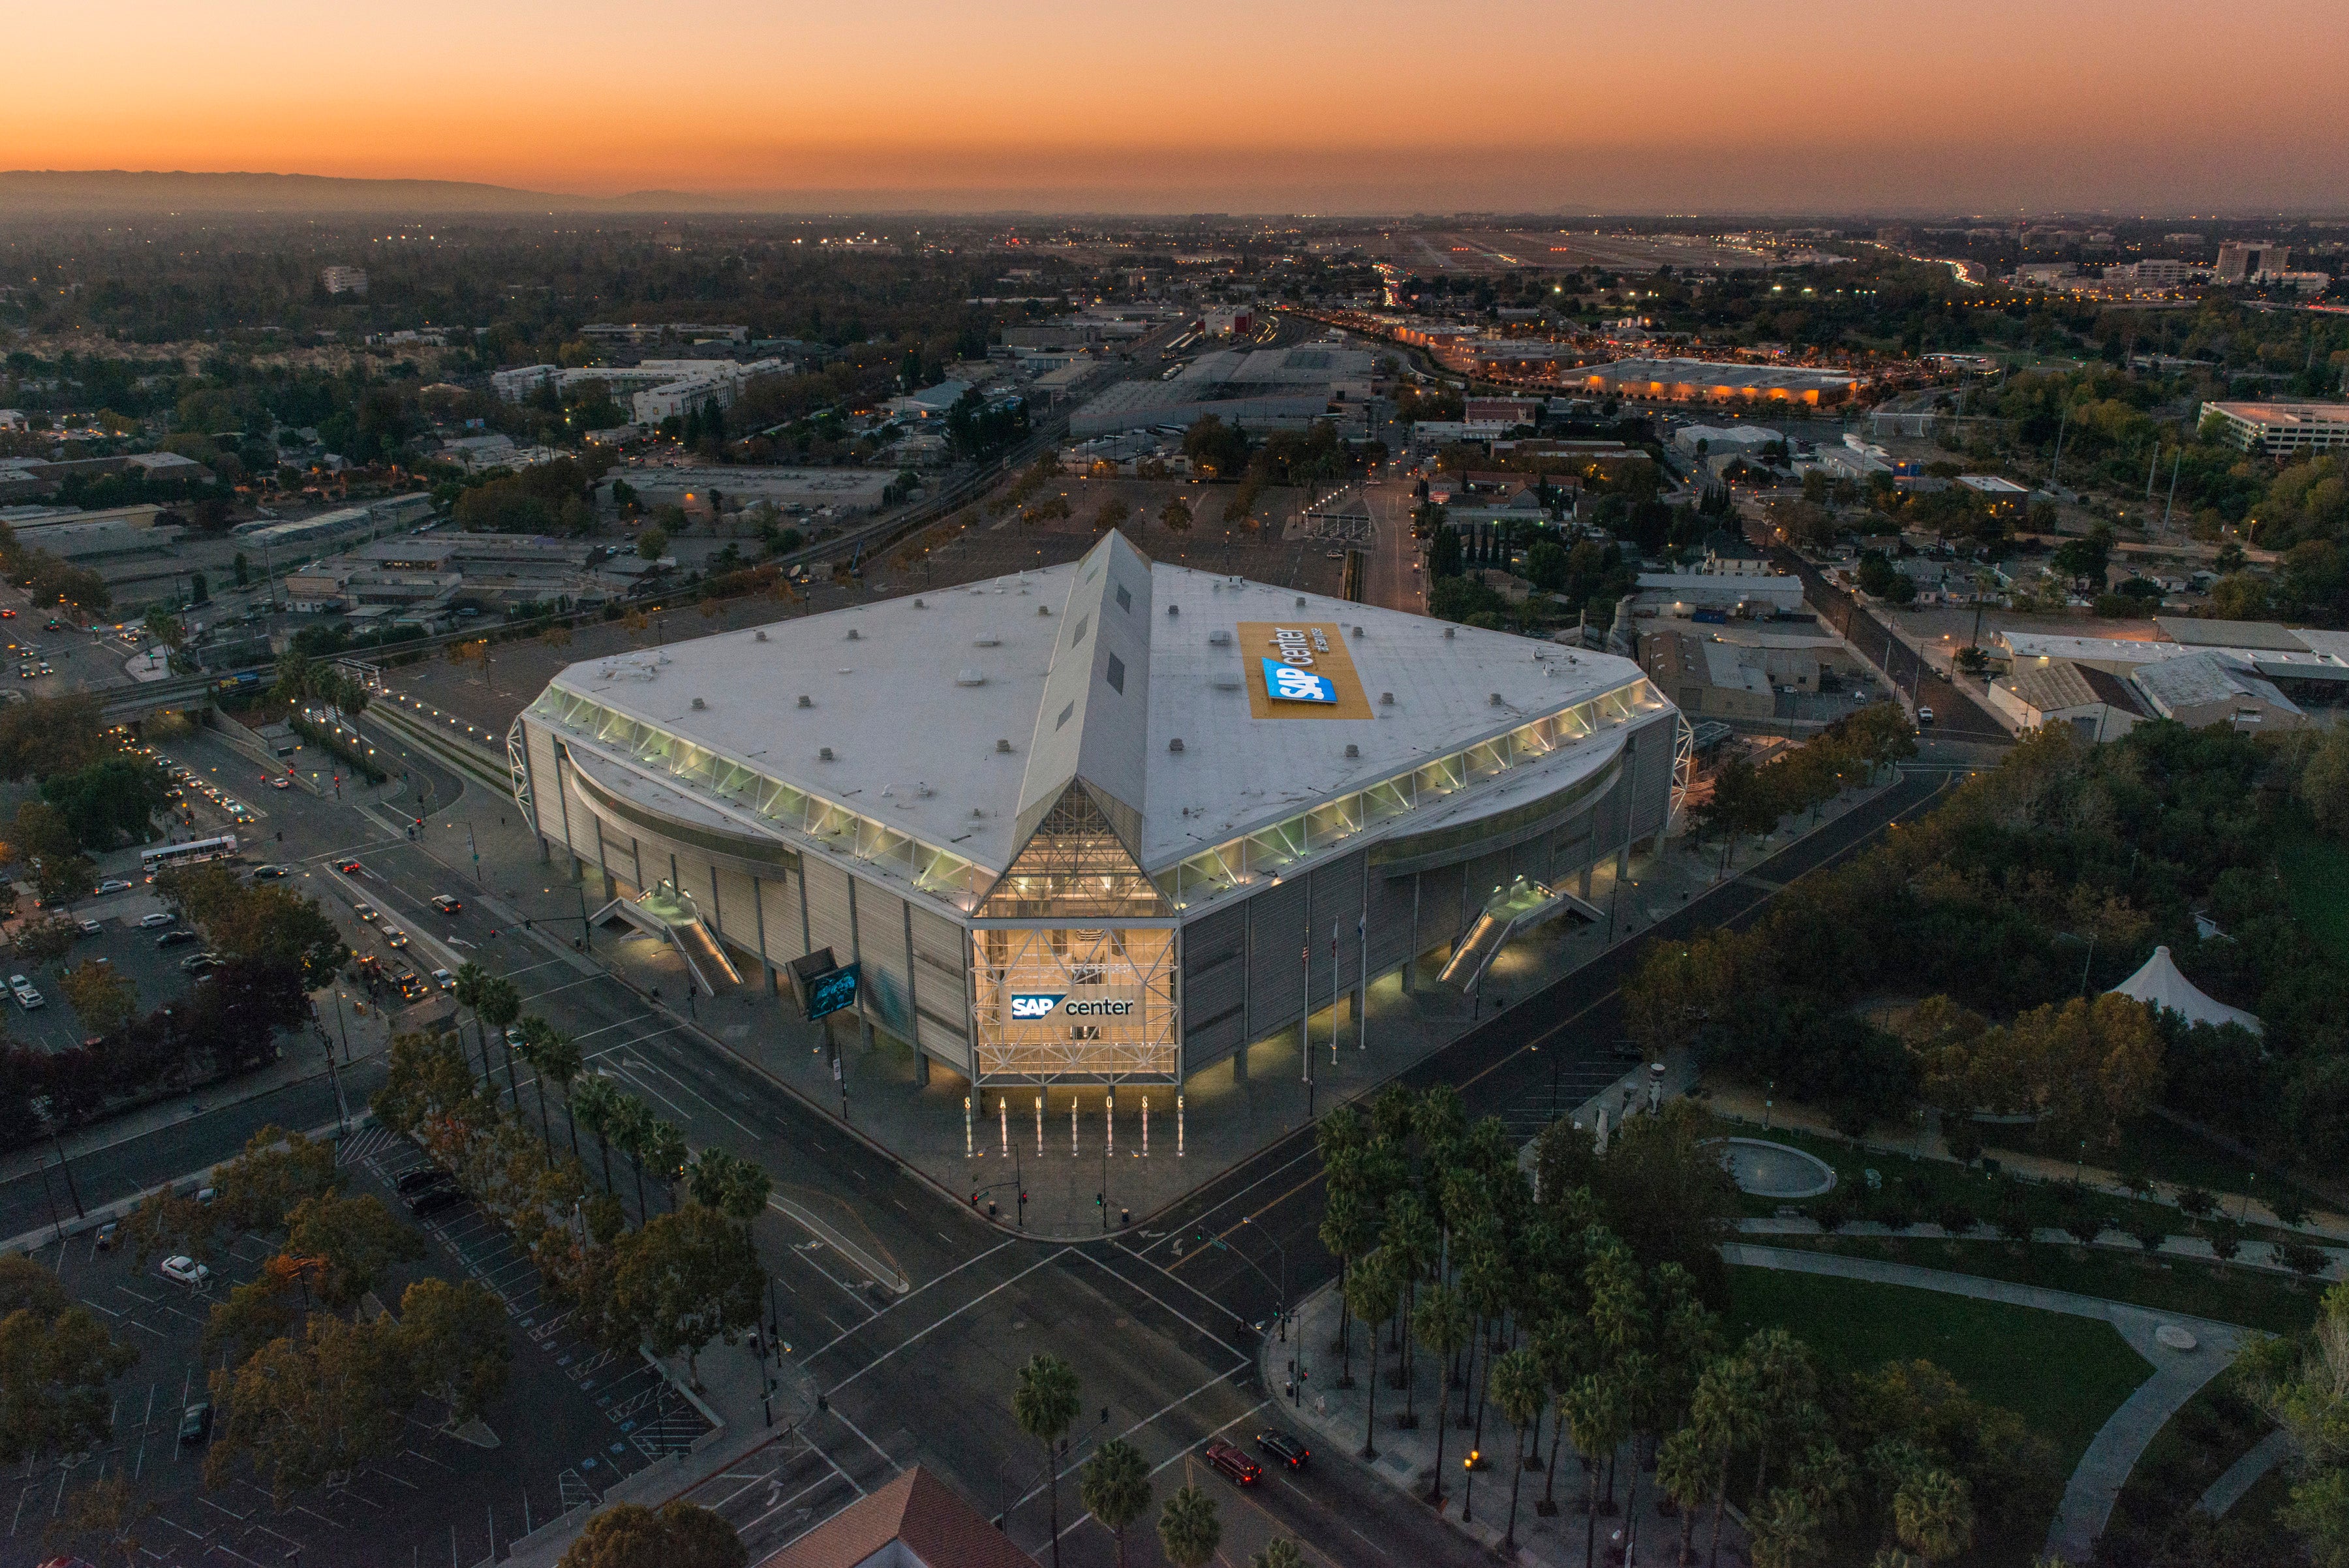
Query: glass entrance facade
column 1092, row 1003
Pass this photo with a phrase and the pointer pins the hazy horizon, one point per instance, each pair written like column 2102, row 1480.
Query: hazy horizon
column 1285, row 106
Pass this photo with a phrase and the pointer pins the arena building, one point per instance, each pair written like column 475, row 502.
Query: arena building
column 1102, row 823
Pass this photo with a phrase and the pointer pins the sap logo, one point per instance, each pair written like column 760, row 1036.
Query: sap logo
column 1286, row 683
column 1035, row 1006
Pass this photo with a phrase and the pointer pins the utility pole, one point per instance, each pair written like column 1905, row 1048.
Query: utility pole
column 2172, row 501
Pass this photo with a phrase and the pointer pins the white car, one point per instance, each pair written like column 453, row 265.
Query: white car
column 148, row 922
column 114, row 885
column 29, row 999
column 184, row 1270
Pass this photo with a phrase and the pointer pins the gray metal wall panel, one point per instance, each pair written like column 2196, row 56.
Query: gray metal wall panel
column 738, row 921
column 781, row 897
column 827, row 902
column 1205, row 1045
column 1439, row 907
column 1485, row 875
column 941, row 986
column 887, row 980
column 1336, row 895
column 1276, row 935
column 1389, row 922
column 1651, row 795
column 1214, row 975
column 543, row 801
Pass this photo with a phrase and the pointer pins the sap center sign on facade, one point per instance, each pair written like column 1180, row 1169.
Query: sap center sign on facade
column 1094, row 823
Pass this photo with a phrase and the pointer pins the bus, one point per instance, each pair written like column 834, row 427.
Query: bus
column 167, row 856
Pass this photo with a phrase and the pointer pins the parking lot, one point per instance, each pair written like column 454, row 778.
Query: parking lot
column 155, row 973
column 573, row 1420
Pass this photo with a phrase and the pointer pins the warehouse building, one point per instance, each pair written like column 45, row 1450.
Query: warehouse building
column 1077, row 826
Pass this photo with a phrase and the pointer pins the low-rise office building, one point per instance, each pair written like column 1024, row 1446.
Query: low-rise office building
column 2278, row 429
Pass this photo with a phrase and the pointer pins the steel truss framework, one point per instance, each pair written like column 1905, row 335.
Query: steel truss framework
column 1131, row 964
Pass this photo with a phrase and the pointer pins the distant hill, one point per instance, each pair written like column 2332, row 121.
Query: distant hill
column 55, row 193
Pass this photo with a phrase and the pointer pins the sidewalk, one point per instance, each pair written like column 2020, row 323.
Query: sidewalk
column 1134, row 1160
column 2182, row 1365
column 1743, row 1103
column 2258, row 1255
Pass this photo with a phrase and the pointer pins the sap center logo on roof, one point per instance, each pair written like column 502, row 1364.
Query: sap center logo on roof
column 1036, row 1005
column 1286, row 683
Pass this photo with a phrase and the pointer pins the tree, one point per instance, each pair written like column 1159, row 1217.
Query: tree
column 734, row 1187
column 631, row 1127
column 1517, row 1387
column 166, row 1221
column 685, row 1279
column 455, row 1336
column 596, row 1107
column 1370, row 1291
column 679, row 1534
column 1280, row 1551
column 278, row 1170
column 252, row 1314
column 105, row 1517
column 1441, row 1324
column 27, row 1285
column 652, row 544
column 1175, row 515
column 1044, row 1403
column 53, row 1369
column 1726, row 1410
column 354, row 1240
column 1116, row 1489
column 99, row 994
column 1787, row 1530
column 1684, row 1470
column 300, row 1411
column 1934, row 1515
column 1189, row 1527
column 557, row 1059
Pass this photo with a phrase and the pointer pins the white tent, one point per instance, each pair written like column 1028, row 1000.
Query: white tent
column 2160, row 985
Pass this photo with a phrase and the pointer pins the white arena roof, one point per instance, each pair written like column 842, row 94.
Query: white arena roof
column 958, row 717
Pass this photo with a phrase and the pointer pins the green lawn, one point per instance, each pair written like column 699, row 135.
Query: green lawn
column 2064, row 1376
column 2316, row 876
column 2252, row 1298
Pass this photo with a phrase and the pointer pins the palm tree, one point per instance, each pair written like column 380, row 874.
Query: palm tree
column 555, row 1057
column 1517, row 1385
column 1596, row 1418
column 1441, row 1324
column 497, row 1002
column 665, row 1151
column 471, row 976
column 1346, row 1231
column 1116, row 1489
column 736, row 1187
column 1560, row 1345
column 1787, row 1530
column 1410, row 1242
column 1280, row 1552
column 1488, row 1278
column 1934, row 1515
column 1188, row 1528
column 1044, row 1403
column 1726, row 1409
column 1784, row 1383
column 632, row 1129
column 1370, row 1293
column 1684, row 1470
column 596, row 1107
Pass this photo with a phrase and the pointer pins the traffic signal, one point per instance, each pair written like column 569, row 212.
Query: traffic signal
column 1470, row 1462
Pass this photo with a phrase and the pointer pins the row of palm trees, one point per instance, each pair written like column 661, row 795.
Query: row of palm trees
column 1534, row 1306
column 1115, row 1482
column 593, row 1101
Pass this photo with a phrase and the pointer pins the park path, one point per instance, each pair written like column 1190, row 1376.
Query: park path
column 2178, row 1374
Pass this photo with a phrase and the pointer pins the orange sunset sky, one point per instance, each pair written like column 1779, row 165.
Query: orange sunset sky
column 1662, row 105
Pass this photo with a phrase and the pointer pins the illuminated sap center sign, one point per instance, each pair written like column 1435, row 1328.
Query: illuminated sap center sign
column 1286, row 683
column 1028, row 1006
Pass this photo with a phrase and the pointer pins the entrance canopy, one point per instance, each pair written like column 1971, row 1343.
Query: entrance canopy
column 2161, row 984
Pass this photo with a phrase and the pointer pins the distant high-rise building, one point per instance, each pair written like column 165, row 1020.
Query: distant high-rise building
column 343, row 279
column 2240, row 259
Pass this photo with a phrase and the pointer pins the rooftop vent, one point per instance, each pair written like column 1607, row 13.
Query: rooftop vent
column 1447, row 631
column 699, row 704
column 1495, row 699
column 1300, row 601
column 970, row 678
column 923, row 790
column 1219, row 639
column 1386, row 698
column 987, row 640
column 1175, row 744
column 1004, row 747
column 1043, row 609
column 852, row 634
column 919, row 605
column 1352, row 750
column 1228, row 681
column 977, row 811
column 1358, row 631
column 823, row 753
column 1174, row 609
column 760, row 635
column 806, row 700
